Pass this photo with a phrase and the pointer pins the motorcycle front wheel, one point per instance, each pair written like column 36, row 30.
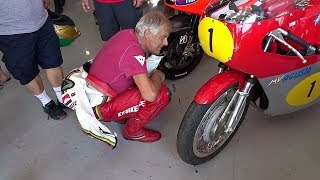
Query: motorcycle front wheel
column 204, row 130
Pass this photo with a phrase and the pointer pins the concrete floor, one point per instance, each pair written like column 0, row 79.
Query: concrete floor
column 34, row 148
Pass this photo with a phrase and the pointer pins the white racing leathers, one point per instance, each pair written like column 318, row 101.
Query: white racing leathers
column 81, row 97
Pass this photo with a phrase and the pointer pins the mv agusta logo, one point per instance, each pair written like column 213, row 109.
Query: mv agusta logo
column 132, row 109
column 291, row 76
column 185, row 2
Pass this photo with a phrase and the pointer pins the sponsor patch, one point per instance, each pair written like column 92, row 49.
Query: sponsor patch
column 140, row 59
column 185, row 2
column 68, row 101
column 132, row 109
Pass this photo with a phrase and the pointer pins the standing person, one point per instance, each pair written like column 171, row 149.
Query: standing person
column 114, row 15
column 28, row 40
column 121, row 64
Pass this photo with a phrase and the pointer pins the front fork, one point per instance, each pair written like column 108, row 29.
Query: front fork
column 227, row 124
column 240, row 103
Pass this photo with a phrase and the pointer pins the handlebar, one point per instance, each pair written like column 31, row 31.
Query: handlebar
column 310, row 49
column 278, row 35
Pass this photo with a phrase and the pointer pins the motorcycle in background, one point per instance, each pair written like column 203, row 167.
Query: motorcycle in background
column 269, row 53
column 183, row 53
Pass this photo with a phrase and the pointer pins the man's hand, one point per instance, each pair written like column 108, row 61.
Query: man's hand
column 137, row 3
column 46, row 4
column 157, row 76
column 149, row 86
column 85, row 5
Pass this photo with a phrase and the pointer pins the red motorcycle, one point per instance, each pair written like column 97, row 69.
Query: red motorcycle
column 184, row 52
column 270, row 58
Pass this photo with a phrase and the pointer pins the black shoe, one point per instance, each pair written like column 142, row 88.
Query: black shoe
column 61, row 105
column 54, row 111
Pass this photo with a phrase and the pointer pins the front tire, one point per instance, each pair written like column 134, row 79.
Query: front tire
column 201, row 137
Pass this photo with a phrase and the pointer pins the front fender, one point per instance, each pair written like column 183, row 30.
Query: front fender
column 213, row 88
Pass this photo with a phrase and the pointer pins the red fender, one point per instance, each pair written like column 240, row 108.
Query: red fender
column 213, row 88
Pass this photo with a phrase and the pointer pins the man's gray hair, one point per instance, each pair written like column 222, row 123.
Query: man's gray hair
column 153, row 21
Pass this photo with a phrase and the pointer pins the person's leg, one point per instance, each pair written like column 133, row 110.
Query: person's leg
column 20, row 59
column 49, row 57
column 139, row 112
column 55, row 76
column 134, row 128
column 35, row 86
column 3, row 76
column 49, row 106
column 107, row 22
column 126, row 14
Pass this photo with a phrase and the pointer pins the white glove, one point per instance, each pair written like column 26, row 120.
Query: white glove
column 153, row 62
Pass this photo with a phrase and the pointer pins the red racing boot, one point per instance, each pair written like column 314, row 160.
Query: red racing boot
column 134, row 130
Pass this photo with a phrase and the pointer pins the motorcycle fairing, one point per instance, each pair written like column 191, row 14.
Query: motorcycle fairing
column 217, row 41
column 213, row 88
column 282, row 92
column 248, row 55
column 184, row 2
column 193, row 8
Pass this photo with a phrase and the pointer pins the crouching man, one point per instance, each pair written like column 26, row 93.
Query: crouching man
column 121, row 64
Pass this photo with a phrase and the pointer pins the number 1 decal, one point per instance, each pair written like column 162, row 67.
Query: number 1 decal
column 210, row 38
column 305, row 92
column 312, row 86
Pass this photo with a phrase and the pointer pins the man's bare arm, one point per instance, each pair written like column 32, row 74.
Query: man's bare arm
column 149, row 86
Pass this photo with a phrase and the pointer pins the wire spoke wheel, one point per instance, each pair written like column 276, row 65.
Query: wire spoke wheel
column 204, row 130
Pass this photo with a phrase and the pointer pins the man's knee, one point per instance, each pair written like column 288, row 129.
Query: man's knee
column 164, row 95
